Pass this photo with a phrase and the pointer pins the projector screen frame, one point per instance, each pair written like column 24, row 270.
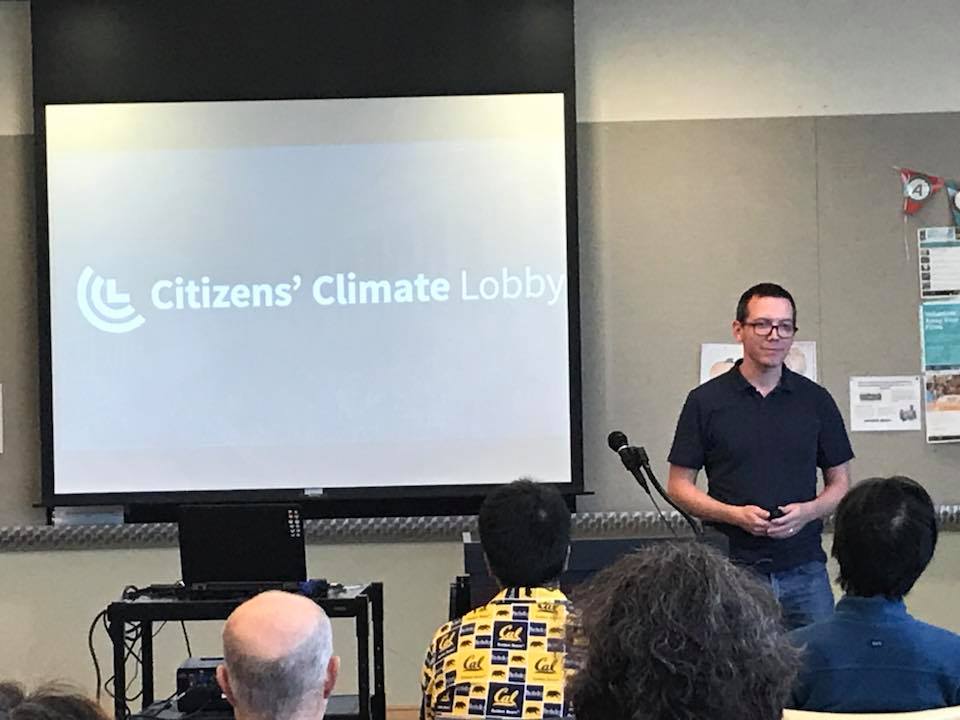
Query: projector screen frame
column 67, row 71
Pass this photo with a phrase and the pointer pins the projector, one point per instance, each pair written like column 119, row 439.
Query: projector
column 198, row 688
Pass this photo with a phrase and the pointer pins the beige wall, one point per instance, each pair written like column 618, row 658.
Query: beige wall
column 677, row 218
column 16, row 95
column 20, row 461
column 696, row 59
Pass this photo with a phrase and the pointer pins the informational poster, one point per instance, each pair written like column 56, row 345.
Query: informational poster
column 940, row 332
column 939, row 260
column 717, row 358
column 880, row 404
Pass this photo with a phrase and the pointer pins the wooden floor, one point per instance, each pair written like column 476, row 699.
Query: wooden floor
column 403, row 712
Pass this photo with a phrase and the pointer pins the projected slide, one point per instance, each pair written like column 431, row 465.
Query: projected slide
column 308, row 294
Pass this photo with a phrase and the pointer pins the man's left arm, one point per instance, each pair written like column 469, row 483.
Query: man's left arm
column 836, row 482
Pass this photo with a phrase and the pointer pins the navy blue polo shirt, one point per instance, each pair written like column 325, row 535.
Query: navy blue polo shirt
column 762, row 451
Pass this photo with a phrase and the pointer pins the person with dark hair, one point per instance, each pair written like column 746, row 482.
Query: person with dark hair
column 508, row 657
column 872, row 656
column 760, row 431
column 278, row 661
column 675, row 631
column 48, row 702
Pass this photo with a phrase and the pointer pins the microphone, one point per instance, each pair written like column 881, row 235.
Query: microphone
column 630, row 456
column 636, row 460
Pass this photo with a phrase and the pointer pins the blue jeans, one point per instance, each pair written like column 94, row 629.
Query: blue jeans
column 804, row 593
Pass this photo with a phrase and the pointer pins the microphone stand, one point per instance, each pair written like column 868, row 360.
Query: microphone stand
column 643, row 461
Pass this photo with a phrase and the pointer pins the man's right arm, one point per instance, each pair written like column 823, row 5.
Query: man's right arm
column 682, row 488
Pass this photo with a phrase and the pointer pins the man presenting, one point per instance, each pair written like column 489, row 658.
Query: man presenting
column 760, row 431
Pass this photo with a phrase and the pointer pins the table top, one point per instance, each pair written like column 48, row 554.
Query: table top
column 339, row 601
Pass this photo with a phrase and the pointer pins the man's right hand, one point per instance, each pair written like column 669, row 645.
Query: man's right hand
column 755, row 520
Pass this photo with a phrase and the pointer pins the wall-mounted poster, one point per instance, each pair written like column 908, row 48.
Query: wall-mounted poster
column 717, row 358
column 938, row 256
column 940, row 333
column 885, row 403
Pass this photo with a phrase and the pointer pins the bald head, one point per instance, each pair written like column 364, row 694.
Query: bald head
column 273, row 624
column 278, row 662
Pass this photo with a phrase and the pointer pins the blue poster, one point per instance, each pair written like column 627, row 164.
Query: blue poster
column 940, row 331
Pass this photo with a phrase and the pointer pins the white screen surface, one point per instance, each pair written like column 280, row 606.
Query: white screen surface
column 308, row 294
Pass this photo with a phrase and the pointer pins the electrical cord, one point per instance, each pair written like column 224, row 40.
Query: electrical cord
column 155, row 711
column 93, row 652
column 213, row 694
column 662, row 516
column 186, row 638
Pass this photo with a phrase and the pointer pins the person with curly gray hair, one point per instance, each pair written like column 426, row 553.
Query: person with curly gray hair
column 676, row 631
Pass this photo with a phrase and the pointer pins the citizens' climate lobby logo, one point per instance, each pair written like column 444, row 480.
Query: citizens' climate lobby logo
column 105, row 307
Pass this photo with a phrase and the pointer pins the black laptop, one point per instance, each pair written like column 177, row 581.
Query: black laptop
column 246, row 548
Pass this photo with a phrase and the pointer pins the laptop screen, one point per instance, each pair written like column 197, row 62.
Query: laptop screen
column 241, row 543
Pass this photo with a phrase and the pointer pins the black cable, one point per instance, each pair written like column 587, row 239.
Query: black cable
column 130, row 644
column 662, row 516
column 131, row 637
column 155, row 711
column 214, row 694
column 93, row 652
column 186, row 638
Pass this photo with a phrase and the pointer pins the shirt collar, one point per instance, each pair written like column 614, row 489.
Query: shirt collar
column 529, row 594
column 876, row 608
column 787, row 381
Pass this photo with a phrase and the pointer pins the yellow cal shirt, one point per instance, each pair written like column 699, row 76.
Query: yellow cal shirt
column 505, row 659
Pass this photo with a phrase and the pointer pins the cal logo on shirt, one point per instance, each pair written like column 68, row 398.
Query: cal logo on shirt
column 505, row 700
column 547, row 611
column 473, row 666
column 546, row 667
column 510, row 635
column 447, row 644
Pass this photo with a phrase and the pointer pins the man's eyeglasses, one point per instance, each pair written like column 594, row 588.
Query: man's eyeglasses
column 763, row 328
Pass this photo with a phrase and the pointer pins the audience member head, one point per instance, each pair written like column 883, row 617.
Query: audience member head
column 525, row 533
column 48, row 702
column 884, row 536
column 278, row 661
column 763, row 290
column 676, row 631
